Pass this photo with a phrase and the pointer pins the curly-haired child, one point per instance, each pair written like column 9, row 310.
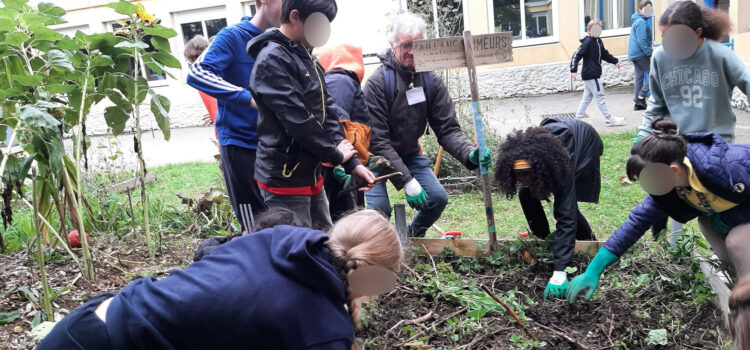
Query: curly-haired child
column 558, row 158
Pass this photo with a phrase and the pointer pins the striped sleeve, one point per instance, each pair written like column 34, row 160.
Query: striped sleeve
column 206, row 73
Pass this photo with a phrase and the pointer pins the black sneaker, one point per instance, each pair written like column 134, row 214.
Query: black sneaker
column 638, row 107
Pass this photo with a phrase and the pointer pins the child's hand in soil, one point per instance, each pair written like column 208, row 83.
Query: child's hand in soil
column 589, row 280
column 556, row 286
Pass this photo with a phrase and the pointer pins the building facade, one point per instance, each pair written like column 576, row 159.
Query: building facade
column 545, row 35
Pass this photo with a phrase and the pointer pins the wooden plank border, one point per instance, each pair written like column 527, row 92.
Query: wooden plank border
column 471, row 247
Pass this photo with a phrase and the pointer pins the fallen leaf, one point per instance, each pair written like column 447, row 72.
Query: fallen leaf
column 624, row 180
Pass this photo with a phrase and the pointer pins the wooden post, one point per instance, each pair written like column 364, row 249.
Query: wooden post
column 400, row 216
column 479, row 135
column 438, row 161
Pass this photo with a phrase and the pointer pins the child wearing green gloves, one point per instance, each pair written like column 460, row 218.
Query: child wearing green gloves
column 692, row 176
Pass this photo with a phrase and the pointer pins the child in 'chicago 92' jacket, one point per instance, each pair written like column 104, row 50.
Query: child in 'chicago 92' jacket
column 692, row 176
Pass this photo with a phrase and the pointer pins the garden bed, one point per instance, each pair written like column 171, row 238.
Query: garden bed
column 653, row 298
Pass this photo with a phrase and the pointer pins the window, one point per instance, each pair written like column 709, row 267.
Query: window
column 614, row 14
column 249, row 8
column 450, row 14
column 147, row 72
column 208, row 28
column 530, row 21
column 71, row 31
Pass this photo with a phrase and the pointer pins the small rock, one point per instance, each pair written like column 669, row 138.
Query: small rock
column 17, row 329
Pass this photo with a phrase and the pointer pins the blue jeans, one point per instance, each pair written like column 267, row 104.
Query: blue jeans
column 437, row 198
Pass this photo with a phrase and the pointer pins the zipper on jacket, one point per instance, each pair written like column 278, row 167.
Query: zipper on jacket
column 284, row 172
column 322, row 102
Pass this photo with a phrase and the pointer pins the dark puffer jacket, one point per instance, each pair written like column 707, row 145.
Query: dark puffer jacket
column 592, row 52
column 396, row 129
column 584, row 148
column 298, row 126
column 723, row 169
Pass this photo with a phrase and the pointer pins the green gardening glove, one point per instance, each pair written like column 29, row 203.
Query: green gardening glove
column 590, row 279
column 486, row 159
column 556, row 286
column 415, row 195
column 342, row 177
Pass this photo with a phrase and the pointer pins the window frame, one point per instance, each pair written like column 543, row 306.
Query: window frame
column 607, row 33
column 551, row 39
column 248, row 8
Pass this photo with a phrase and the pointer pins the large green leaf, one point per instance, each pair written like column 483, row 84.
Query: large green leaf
column 8, row 317
column 102, row 61
column 27, row 80
column 50, row 9
column 160, row 43
column 142, row 89
column 30, row 18
column 123, row 7
column 159, row 30
column 7, row 24
column 155, row 67
column 163, row 58
column 14, row 4
column 41, row 32
column 16, row 38
column 8, row 13
column 58, row 59
column 36, row 117
column 118, row 100
column 116, row 118
column 160, row 108
column 61, row 88
column 68, row 44
column 130, row 45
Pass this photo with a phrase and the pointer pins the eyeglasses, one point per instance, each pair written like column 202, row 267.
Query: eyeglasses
column 405, row 46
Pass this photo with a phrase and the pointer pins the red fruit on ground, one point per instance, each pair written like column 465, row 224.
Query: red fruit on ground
column 75, row 239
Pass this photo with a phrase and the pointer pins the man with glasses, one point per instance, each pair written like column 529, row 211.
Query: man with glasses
column 402, row 102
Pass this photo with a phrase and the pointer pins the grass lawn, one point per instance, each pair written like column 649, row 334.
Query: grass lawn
column 465, row 212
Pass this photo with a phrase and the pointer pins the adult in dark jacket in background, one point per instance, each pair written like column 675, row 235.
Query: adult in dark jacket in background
column 696, row 175
column 640, row 50
column 298, row 126
column 592, row 52
column 280, row 288
column 397, row 127
column 559, row 158
column 345, row 68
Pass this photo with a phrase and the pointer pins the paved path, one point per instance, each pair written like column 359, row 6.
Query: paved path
column 195, row 145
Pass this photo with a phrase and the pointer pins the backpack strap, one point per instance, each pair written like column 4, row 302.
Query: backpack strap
column 390, row 84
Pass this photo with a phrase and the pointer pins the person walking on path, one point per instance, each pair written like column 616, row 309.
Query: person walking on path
column 592, row 52
column 640, row 50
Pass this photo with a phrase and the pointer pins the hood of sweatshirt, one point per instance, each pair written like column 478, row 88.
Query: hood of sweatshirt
column 342, row 56
column 301, row 255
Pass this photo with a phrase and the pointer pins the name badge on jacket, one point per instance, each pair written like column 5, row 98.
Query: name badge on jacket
column 415, row 95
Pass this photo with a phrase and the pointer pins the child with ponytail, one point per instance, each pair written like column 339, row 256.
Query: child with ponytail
column 281, row 288
column 692, row 176
column 693, row 75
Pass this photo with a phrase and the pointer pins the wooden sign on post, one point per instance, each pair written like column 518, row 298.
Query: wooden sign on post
column 446, row 53
column 469, row 51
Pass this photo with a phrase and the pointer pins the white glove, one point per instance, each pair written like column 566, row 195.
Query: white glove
column 413, row 188
column 558, row 278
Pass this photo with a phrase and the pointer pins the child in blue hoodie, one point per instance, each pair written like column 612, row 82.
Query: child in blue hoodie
column 592, row 52
column 223, row 71
column 281, row 288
